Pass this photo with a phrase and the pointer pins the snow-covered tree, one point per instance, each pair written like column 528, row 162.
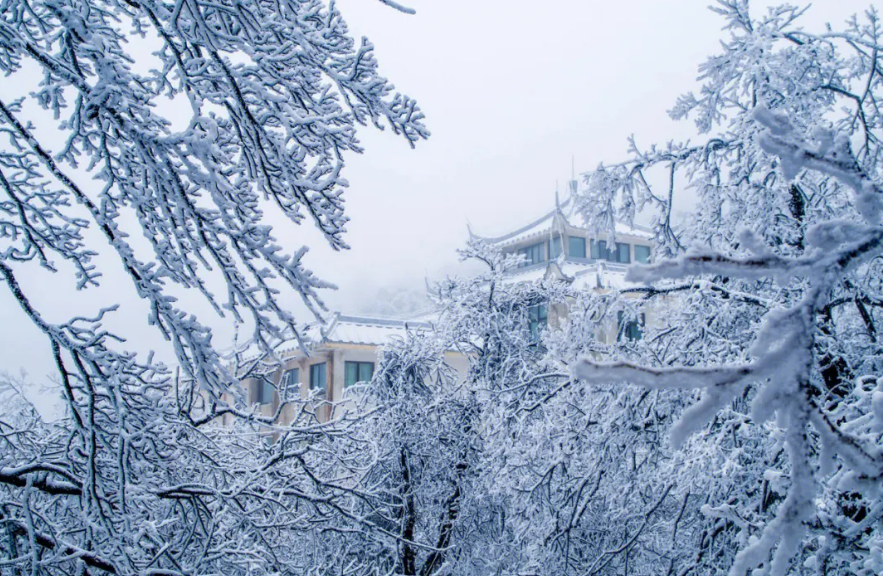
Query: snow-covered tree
column 779, row 267
column 515, row 467
column 161, row 134
column 430, row 420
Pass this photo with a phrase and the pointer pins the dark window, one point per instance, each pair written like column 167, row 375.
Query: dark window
column 291, row 379
column 533, row 254
column 318, row 377
column 618, row 254
column 537, row 319
column 555, row 247
column 576, row 247
column 600, row 251
column 632, row 330
column 642, row 254
column 290, row 383
column 357, row 372
column 264, row 392
column 623, row 253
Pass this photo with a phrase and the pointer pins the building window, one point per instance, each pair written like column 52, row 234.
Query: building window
column 354, row 372
column 291, row 379
column 642, row 254
column 599, row 250
column 537, row 320
column 576, row 247
column 633, row 330
column 555, row 247
column 533, row 254
column 264, row 391
column 319, row 377
column 621, row 253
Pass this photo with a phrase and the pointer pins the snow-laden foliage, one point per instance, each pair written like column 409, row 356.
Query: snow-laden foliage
column 429, row 419
column 161, row 135
column 130, row 485
column 742, row 432
column 779, row 267
column 274, row 91
column 514, row 467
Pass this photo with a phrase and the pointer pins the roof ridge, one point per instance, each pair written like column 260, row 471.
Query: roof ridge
column 377, row 320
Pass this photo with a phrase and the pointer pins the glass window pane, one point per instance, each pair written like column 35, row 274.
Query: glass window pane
column 350, row 373
column 642, row 254
column 576, row 247
column 318, row 377
column 264, row 392
column 537, row 319
column 555, row 247
column 600, row 247
column 623, row 253
column 291, row 378
column 366, row 371
column 631, row 330
column 533, row 254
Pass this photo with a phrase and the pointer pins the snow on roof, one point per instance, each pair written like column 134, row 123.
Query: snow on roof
column 340, row 329
column 349, row 329
column 585, row 274
column 375, row 331
column 603, row 275
column 543, row 225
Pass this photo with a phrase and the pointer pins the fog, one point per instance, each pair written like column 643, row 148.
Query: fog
column 515, row 94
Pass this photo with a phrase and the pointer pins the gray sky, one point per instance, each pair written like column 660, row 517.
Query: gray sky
column 511, row 90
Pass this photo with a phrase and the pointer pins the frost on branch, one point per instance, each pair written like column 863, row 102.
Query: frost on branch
column 787, row 238
column 168, row 132
column 267, row 130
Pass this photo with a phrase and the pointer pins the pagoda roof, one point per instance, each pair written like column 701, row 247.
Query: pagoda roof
column 564, row 216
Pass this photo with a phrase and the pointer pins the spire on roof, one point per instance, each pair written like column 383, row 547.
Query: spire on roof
column 574, row 185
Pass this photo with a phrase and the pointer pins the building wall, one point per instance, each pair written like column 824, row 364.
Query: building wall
column 580, row 233
column 335, row 402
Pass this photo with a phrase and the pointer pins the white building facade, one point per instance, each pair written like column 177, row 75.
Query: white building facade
column 560, row 245
column 346, row 348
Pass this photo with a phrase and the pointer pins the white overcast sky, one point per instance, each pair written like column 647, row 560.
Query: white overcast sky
column 511, row 90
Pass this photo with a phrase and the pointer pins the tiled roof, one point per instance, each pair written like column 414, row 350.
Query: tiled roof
column 584, row 273
column 368, row 330
column 342, row 329
column 543, row 226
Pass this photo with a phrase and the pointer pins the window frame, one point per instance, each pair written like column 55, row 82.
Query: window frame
column 324, row 369
column 623, row 253
column 582, row 242
column 264, row 392
column 538, row 249
column 633, row 330
column 286, row 381
column 358, row 365
column 600, row 250
column 555, row 241
column 537, row 320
